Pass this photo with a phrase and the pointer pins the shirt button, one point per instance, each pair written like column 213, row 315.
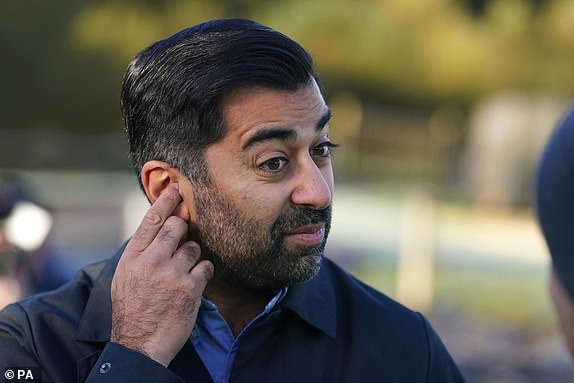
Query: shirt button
column 105, row 368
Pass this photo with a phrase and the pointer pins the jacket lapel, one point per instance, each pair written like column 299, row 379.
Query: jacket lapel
column 96, row 322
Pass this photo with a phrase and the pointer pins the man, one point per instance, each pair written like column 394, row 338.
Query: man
column 555, row 207
column 225, row 279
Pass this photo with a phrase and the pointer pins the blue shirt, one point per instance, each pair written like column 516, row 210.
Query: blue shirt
column 214, row 341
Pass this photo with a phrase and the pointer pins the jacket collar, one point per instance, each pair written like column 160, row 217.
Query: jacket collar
column 315, row 301
column 96, row 322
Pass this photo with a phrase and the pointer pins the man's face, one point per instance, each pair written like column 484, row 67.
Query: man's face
column 265, row 214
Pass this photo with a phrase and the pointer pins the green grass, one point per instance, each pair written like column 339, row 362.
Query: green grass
column 510, row 294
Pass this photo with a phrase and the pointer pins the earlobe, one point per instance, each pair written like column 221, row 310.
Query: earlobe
column 156, row 176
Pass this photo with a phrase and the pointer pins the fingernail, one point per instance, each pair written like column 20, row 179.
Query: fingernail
column 176, row 186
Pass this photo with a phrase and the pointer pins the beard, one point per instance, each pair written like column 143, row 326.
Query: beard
column 249, row 255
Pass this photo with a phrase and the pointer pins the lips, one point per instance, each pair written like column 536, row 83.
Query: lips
column 308, row 235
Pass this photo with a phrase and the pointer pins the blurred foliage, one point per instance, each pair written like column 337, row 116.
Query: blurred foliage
column 513, row 294
column 63, row 60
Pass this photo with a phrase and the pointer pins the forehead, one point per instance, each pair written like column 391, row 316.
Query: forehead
column 249, row 109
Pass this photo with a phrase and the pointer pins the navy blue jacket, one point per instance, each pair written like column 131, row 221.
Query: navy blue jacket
column 555, row 199
column 330, row 329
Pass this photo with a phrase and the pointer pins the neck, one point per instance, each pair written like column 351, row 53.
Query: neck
column 237, row 306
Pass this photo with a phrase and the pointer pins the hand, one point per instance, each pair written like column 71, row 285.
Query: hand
column 157, row 287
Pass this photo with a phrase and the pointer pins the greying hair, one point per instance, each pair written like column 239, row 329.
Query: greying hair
column 172, row 90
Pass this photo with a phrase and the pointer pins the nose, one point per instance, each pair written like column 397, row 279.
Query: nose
column 314, row 187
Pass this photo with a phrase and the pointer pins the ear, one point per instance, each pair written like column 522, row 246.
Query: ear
column 156, row 176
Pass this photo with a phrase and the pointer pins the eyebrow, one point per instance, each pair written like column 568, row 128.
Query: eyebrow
column 325, row 118
column 284, row 134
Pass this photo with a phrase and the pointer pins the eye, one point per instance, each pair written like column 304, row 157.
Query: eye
column 273, row 165
column 323, row 149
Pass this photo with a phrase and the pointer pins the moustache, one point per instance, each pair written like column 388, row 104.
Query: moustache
column 296, row 216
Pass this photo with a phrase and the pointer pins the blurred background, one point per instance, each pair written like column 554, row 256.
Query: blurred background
column 442, row 108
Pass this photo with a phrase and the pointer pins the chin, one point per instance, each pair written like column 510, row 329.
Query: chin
column 305, row 270
column 302, row 270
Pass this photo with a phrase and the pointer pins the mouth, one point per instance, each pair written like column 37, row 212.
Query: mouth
column 308, row 235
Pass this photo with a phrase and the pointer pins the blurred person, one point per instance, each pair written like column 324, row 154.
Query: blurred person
column 26, row 260
column 555, row 208
column 224, row 280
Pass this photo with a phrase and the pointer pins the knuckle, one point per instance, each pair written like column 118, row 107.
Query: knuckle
column 153, row 217
column 165, row 231
column 167, row 234
column 189, row 251
column 176, row 222
column 152, row 262
column 202, row 272
column 172, row 274
column 141, row 235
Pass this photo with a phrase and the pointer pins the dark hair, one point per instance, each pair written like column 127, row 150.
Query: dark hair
column 172, row 90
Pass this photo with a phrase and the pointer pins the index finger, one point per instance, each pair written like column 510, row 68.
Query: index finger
column 155, row 217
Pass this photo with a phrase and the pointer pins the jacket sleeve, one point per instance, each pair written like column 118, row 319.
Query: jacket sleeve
column 15, row 350
column 115, row 364
column 441, row 366
column 120, row 364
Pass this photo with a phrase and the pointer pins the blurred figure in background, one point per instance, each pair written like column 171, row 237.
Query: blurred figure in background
column 555, row 207
column 26, row 264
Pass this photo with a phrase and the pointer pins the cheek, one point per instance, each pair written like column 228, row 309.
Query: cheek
column 265, row 204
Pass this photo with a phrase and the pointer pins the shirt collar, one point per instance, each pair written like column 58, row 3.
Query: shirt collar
column 208, row 305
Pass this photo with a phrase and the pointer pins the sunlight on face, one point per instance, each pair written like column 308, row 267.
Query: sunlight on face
column 265, row 215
